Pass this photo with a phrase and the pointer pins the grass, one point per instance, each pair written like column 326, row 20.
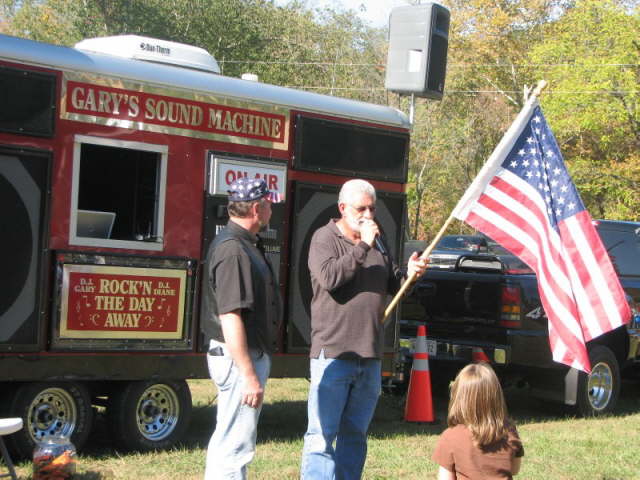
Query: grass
column 557, row 445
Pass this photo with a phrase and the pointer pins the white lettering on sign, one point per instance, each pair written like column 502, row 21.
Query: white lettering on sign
column 226, row 171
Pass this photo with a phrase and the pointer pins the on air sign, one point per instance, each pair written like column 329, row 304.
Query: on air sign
column 223, row 171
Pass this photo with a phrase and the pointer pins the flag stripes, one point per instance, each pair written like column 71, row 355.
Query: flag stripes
column 524, row 199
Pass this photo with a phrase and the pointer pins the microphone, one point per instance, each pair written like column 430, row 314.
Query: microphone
column 380, row 246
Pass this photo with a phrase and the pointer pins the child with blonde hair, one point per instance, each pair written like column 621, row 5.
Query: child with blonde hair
column 481, row 442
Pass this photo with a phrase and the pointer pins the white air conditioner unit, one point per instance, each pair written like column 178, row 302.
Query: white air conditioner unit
column 152, row 50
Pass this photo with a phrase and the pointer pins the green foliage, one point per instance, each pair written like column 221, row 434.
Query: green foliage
column 593, row 66
column 557, row 445
column 284, row 45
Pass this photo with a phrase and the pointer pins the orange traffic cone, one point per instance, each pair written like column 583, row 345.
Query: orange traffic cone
column 419, row 406
column 478, row 355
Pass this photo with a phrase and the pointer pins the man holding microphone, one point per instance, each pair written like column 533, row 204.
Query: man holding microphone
column 351, row 276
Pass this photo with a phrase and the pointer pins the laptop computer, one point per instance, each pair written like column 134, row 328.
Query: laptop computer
column 94, row 224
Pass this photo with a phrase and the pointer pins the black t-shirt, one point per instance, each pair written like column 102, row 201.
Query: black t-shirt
column 239, row 276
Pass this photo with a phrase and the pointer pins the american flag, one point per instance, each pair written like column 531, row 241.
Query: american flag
column 524, row 199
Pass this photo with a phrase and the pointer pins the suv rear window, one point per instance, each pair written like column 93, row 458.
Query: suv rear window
column 623, row 246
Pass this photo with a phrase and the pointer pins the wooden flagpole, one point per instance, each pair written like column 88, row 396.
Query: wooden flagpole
column 542, row 84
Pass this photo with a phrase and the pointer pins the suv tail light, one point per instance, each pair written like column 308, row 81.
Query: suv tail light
column 510, row 307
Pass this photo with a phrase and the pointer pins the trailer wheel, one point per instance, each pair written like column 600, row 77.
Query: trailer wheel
column 598, row 392
column 51, row 408
column 149, row 415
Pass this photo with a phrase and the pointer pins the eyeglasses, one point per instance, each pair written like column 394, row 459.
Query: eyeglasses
column 362, row 208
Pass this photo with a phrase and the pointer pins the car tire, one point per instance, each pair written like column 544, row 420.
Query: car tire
column 598, row 391
column 50, row 408
column 149, row 415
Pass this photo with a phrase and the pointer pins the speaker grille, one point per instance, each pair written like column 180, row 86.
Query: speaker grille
column 23, row 185
column 27, row 102
column 351, row 150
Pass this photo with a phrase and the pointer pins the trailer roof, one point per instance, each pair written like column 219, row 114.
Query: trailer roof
column 70, row 59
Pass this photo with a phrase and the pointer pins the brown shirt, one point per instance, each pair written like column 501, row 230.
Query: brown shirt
column 456, row 452
column 350, row 285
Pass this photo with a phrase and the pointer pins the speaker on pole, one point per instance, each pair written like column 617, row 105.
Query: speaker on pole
column 418, row 43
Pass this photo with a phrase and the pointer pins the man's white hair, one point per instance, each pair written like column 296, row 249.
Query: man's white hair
column 353, row 188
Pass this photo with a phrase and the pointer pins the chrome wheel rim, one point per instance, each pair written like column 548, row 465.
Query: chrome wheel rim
column 600, row 386
column 157, row 412
column 52, row 412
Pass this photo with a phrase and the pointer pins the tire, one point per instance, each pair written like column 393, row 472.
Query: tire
column 150, row 415
column 51, row 408
column 598, row 392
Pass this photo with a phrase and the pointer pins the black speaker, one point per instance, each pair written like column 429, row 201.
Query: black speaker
column 418, row 44
column 314, row 205
column 24, row 178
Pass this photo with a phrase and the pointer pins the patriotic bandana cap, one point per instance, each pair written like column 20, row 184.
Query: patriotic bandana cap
column 249, row 189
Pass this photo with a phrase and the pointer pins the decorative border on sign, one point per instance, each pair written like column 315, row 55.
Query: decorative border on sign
column 145, row 326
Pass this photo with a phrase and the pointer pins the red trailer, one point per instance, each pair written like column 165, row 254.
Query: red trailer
column 115, row 156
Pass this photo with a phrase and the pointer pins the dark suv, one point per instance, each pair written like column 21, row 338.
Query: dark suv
column 484, row 308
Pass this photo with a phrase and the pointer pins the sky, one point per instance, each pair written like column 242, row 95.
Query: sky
column 374, row 12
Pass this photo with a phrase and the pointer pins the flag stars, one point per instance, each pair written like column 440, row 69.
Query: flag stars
column 549, row 153
column 554, row 183
column 537, row 119
column 561, row 200
column 521, row 152
column 556, row 171
column 525, row 163
column 564, row 189
column 571, row 206
column 558, row 212
column 530, row 140
column 514, row 164
column 532, row 150
column 529, row 174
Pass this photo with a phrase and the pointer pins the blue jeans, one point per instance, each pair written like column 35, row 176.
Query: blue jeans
column 342, row 399
column 233, row 443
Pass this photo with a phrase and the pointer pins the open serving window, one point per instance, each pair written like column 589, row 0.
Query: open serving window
column 118, row 194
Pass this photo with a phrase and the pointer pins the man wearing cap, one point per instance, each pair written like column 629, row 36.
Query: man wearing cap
column 351, row 276
column 240, row 316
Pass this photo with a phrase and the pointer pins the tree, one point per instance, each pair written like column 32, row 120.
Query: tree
column 487, row 70
column 285, row 45
column 592, row 60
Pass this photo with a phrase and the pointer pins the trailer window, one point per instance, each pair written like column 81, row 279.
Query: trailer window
column 623, row 247
column 118, row 194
